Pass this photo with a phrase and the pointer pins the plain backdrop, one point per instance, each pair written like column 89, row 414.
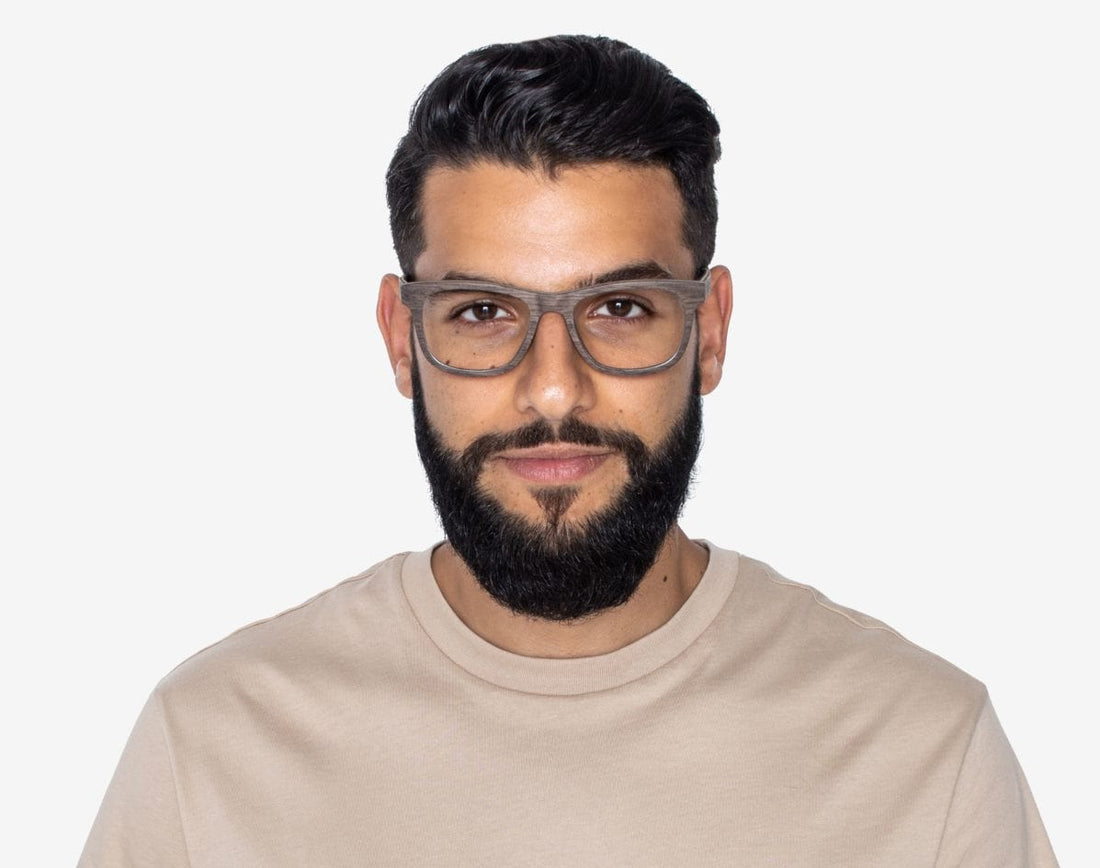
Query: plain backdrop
column 199, row 423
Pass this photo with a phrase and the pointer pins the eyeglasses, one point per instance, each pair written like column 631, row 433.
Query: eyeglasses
column 625, row 327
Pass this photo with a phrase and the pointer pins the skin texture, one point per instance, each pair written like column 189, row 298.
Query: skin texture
column 521, row 227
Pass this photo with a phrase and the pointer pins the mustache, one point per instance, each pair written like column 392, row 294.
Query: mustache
column 540, row 432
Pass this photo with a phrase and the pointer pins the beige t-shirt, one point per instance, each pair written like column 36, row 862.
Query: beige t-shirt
column 762, row 725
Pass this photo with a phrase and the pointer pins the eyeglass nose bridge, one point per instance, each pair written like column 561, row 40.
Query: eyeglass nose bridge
column 537, row 312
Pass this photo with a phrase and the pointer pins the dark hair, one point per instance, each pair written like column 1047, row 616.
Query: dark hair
column 553, row 102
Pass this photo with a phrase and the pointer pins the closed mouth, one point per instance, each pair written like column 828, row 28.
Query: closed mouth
column 554, row 462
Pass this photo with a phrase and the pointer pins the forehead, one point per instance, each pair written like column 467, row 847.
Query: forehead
column 524, row 227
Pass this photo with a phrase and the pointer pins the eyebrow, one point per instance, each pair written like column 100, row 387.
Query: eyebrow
column 648, row 270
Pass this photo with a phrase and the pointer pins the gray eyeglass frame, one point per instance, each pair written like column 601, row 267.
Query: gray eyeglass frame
column 690, row 294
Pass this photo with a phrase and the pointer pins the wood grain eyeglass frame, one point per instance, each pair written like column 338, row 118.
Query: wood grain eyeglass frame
column 689, row 293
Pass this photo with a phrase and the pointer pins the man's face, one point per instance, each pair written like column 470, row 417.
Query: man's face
column 588, row 224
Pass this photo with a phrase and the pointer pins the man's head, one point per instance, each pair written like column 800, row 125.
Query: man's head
column 553, row 166
column 551, row 103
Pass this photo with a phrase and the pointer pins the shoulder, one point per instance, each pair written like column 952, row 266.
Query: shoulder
column 327, row 631
column 794, row 628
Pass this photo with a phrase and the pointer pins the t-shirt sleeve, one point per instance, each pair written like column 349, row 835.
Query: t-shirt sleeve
column 139, row 821
column 993, row 820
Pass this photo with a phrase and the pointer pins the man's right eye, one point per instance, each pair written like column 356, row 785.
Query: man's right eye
column 481, row 311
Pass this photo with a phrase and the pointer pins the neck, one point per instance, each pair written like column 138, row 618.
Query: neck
column 662, row 591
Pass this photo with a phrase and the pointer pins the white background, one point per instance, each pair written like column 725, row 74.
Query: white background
column 200, row 427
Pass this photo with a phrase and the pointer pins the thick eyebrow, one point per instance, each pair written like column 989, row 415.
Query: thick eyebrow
column 649, row 270
column 469, row 275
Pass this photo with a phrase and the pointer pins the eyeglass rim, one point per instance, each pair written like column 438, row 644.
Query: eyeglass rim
column 690, row 294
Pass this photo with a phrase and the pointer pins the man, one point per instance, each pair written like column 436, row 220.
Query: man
column 568, row 679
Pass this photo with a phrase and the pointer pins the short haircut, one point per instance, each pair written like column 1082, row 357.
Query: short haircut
column 551, row 103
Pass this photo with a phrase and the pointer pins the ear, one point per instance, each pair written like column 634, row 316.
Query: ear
column 713, row 320
column 395, row 323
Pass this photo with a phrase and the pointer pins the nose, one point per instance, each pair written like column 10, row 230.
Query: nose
column 554, row 381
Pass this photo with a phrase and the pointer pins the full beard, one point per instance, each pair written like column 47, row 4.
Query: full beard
column 561, row 570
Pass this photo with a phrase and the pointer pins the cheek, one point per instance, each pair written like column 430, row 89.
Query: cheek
column 647, row 407
column 461, row 408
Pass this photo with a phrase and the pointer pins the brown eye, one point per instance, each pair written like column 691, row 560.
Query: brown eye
column 621, row 308
column 481, row 311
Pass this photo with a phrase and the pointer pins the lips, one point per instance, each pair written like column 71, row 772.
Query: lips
column 556, row 463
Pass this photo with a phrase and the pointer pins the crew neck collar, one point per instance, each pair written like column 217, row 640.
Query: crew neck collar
column 571, row 676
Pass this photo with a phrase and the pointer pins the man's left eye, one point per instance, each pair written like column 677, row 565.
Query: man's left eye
column 623, row 308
